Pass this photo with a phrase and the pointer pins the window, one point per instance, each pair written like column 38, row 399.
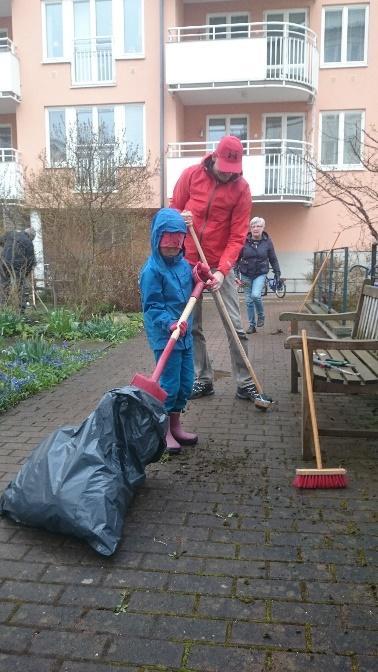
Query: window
column 133, row 41
column 74, row 127
column 57, row 137
column 54, row 29
column 227, row 26
column 217, row 127
column 345, row 35
column 6, row 152
column 93, row 41
column 340, row 139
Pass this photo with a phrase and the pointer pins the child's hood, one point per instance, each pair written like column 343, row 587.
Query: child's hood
column 166, row 220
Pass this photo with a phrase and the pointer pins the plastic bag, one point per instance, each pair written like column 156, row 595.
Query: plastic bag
column 81, row 480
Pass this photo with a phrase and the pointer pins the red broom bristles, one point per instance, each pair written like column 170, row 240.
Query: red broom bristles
column 317, row 481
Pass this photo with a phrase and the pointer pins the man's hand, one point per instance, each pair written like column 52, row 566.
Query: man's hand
column 217, row 281
column 201, row 272
column 188, row 216
column 183, row 326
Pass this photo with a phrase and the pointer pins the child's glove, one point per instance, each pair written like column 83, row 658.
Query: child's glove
column 183, row 326
column 200, row 272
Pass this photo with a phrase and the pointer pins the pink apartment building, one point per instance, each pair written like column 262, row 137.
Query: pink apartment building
column 173, row 76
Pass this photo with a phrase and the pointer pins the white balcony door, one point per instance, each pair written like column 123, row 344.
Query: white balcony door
column 286, row 44
column 93, row 41
column 284, row 163
column 6, row 153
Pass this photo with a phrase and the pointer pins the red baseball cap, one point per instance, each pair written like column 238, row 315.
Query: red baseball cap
column 229, row 153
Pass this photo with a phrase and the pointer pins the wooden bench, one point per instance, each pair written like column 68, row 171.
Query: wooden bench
column 360, row 351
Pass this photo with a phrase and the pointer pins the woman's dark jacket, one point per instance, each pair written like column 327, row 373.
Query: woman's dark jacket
column 256, row 256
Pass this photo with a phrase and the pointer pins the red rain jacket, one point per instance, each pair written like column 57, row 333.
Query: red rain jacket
column 221, row 214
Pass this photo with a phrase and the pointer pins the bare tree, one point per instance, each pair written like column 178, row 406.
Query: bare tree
column 357, row 191
column 93, row 195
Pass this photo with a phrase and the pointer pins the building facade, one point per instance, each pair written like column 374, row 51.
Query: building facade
column 171, row 77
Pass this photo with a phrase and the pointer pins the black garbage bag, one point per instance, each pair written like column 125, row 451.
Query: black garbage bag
column 81, row 480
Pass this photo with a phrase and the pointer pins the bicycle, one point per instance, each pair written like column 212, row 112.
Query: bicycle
column 279, row 288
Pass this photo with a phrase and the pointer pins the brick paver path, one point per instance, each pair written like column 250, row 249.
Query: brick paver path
column 223, row 567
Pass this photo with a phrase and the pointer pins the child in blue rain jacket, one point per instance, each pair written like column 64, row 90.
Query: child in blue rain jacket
column 166, row 285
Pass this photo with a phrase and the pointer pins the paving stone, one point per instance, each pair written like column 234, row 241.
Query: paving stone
column 210, row 585
column 45, row 615
column 340, row 593
column 361, row 617
column 68, row 644
column 6, row 609
column 235, row 568
column 10, row 663
column 136, row 579
column 87, row 596
column 133, row 625
column 182, row 629
column 299, row 571
column 145, row 652
column 286, row 612
column 10, row 569
column 298, row 662
column 71, row 666
column 257, row 588
column 267, row 635
column 29, row 592
column 15, row 639
column 236, row 608
column 345, row 641
column 154, row 602
column 367, row 663
column 69, row 574
column 220, row 659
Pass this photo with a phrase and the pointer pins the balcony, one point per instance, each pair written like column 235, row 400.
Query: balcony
column 10, row 175
column 257, row 63
column 276, row 170
column 10, row 90
column 93, row 62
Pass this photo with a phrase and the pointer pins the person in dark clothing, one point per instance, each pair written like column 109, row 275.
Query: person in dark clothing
column 253, row 265
column 17, row 260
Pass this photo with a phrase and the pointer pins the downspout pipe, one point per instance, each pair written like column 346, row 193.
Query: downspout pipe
column 162, row 105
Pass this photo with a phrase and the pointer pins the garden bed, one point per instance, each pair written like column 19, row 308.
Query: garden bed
column 40, row 350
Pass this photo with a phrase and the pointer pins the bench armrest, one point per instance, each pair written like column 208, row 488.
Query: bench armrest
column 295, row 343
column 315, row 317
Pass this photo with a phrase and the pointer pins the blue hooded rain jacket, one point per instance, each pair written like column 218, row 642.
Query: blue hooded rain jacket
column 166, row 284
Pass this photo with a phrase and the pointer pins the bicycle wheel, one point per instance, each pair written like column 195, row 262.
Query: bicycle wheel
column 265, row 288
column 280, row 290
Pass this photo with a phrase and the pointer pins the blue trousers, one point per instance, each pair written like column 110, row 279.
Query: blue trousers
column 252, row 294
column 177, row 378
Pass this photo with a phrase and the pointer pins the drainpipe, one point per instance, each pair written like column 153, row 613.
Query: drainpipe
column 162, row 106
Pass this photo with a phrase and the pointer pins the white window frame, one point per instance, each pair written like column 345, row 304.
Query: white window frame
column 228, row 118
column 119, row 123
column 284, row 116
column 67, row 29
column 118, row 31
column 344, row 33
column 228, row 15
column 286, row 13
column 340, row 148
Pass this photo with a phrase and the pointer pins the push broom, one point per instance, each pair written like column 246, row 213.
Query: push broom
column 262, row 401
column 150, row 384
column 319, row 477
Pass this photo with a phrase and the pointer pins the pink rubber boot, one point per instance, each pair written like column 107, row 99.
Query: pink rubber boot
column 173, row 447
column 185, row 438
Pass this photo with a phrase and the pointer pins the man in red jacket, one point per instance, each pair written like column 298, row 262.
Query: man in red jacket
column 217, row 199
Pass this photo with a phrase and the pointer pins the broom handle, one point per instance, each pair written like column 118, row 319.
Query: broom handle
column 222, row 309
column 311, row 402
column 319, row 272
column 160, row 366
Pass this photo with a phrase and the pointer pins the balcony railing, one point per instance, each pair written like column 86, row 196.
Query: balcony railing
column 277, row 170
column 242, row 54
column 93, row 61
column 10, row 90
column 10, row 174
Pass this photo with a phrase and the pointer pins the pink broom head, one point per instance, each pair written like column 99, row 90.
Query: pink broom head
column 324, row 479
column 150, row 386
